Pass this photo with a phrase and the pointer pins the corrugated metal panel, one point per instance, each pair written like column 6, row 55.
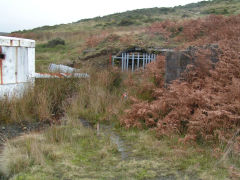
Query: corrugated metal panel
column 16, row 42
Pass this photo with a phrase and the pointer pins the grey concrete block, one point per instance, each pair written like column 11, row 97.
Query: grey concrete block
column 177, row 61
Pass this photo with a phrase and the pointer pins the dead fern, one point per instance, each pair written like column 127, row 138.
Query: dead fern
column 206, row 105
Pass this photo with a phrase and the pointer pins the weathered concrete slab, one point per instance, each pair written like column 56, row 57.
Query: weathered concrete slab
column 177, row 61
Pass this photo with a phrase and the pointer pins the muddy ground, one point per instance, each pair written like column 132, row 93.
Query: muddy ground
column 10, row 131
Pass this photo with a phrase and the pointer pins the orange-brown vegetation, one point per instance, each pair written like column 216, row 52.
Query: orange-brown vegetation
column 206, row 104
column 94, row 40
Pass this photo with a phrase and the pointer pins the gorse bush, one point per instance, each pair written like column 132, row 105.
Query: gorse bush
column 125, row 22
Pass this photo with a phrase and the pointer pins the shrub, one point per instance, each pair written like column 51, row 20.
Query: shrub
column 95, row 39
column 55, row 42
column 216, row 11
column 115, row 81
column 125, row 22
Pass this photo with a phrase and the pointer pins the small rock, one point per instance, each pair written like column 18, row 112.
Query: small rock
column 25, row 128
column 3, row 128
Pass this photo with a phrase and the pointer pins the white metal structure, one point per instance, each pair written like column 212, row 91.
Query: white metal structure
column 17, row 65
column 133, row 60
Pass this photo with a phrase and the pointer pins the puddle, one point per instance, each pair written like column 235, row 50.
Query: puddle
column 108, row 131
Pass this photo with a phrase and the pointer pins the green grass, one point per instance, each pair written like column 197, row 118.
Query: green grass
column 71, row 151
column 192, row 161
column 44, row 102
column 130, row 23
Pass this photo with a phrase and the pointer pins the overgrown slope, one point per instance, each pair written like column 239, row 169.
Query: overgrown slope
column 205, row 104
column 189, row 130
column 97, row 38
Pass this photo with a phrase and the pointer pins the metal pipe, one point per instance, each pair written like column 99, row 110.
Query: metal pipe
column 138, row 61
column 60, row 75
column 122, row 62
column 146, row 59
column 113, row 62
column 127, row 61
column 61, row 68
column 132, row 62
column 143, row 60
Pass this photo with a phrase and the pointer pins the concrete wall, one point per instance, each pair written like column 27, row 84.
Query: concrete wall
column 177, row 61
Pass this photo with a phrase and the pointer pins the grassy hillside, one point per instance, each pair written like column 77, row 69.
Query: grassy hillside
column 189, row 130
column 91, row 41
